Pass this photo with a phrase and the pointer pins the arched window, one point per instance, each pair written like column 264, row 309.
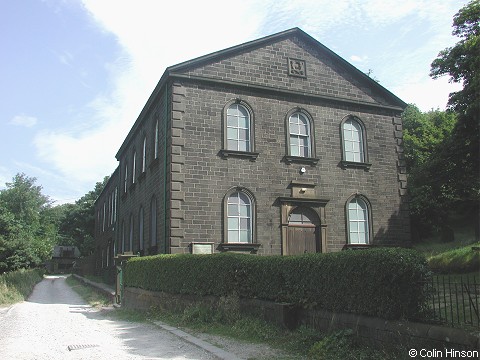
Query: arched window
column 134, row 166
column 300, row 138
column 144, row 155
column 125, row 177
column 122, row 247
column 130, row 237
column 156, row 141
column 354, row 147
column 239, row 217
column 153, row 222
column 140, row 229
column 299, row 130
column 238, row 130
column 358, row 221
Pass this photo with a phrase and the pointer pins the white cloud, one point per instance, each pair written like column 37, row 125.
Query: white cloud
column 24, row 120
column 426, row 93
column 358, row 59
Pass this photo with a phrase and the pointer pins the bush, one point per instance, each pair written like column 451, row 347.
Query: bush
column 17, row 285
column 378, row 282
column 341, row 345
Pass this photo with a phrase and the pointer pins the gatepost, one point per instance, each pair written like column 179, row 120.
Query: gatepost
column 120, row 261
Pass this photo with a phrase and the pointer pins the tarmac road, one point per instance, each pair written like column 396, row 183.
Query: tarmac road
column 55, row 323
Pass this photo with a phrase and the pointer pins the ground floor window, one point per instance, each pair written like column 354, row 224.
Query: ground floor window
column 358, row 221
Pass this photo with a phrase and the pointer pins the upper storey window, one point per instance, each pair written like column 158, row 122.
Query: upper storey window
column 238, row 130
column 300, row 137
column 354, row 147
column 299, row 129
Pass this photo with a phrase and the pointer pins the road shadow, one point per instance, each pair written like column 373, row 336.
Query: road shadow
column 147, row 340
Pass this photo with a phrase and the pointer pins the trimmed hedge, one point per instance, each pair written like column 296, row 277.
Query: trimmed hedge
column 383, row 282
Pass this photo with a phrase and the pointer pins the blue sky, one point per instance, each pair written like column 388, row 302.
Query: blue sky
column 74, row 75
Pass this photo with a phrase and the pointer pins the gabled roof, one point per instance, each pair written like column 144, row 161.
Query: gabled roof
column 231, row 51
column 176, row 70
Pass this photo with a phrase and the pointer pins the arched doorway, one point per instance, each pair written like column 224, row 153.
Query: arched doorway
column 303, row 232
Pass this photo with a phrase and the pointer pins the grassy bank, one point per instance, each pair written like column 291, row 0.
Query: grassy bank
column 461, row 260
column 17, row 285
column 88, row 294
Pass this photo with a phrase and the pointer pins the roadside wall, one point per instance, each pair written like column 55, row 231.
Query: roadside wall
column 374, row 330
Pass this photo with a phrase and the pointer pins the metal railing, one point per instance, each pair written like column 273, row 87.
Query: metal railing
column 454, row 301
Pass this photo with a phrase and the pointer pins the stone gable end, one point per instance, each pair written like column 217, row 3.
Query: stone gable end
column 292, row 65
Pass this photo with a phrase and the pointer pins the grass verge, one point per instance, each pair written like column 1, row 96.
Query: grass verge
column 88, row 294
column 17, row 285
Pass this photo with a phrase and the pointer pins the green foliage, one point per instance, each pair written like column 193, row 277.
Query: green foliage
column 17, row 285
column 441, row 180
column 377, row 282
column 77, row 223
column 341, row 345
column 424, row 132
column 27, row 225
column 457, row 261
column 455, row 165
column 431, row 193
column 442, row 148
column 462, row 61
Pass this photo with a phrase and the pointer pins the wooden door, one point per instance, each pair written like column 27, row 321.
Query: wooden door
column 302, row 232
column 301, row 240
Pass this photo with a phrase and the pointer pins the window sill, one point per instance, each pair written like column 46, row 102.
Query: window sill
column 355, row 165
column 300, row 160
column 239, row 247
column 252, row 156
column 356, row 246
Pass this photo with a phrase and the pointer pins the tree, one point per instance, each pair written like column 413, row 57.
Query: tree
column 425, row 134
column 458, row 159
column 462, row 62
column 27, row 232
column 77, row 224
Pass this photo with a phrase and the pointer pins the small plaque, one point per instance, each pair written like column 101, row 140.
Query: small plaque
column 297, row 67
column 202, row 248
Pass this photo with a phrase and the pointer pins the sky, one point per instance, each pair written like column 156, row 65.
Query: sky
column 75, row 74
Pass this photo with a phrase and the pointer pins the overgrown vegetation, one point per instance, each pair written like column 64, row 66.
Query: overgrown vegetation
column 17, row 285
column 379, row 282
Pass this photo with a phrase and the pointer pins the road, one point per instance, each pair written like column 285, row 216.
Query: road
column 55, row 323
